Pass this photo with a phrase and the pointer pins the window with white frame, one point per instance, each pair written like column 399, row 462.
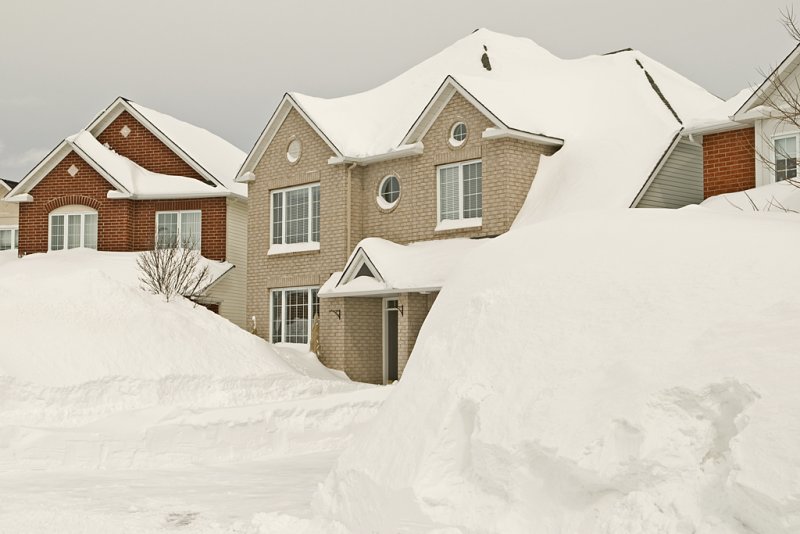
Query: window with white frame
column 9, row 237
column 73, row 227
column 292, row 312
column 460, row 191
column 295, row 215
column 178, row 229
column 786, row 150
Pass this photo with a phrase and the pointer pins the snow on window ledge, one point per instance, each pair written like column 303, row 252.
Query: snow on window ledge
column 293, row 247
column 382, row 204
column 449, row 224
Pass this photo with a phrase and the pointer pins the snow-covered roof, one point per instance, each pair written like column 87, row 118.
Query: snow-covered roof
column 718, row 117
column 216, row 155
column 136, row 181
column 394, row 268
column 778, row 76
column 617, row 114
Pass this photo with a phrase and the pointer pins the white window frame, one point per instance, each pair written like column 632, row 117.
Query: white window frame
column 14, row 235
column 775, row 139
column 283, row 247
column 461, row 222
column 180, row 214
column 66, row 214
column 308, row 289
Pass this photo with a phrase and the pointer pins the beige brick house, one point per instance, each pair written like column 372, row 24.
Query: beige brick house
column 362, row 206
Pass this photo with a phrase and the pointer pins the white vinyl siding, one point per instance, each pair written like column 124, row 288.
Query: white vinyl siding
column 460, row 191
column 179, row 228
column 72, row 230
column 295, row 215
column 231, row 290
column 292, row 311
column 9, row 238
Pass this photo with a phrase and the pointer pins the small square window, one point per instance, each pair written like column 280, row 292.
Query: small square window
column 125, row 131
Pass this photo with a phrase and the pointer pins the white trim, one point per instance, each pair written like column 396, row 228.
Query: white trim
column 268, row 134
column 457, row 224
column 403, row 151
column 225, row 193
column 18, row 199
column 5, row 186
column 789, row 63
column 270, row 292
column 460, row 165
column 180, row 214
column 382, row 202
column 334, row 293
column 14, row 235
column 65, row 213
column 509, row 133
column 284, row 247
column 359, row 260
column 455, row 143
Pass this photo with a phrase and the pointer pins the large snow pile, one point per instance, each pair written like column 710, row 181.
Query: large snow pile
column 96, row 372
column 780, row 197
column 616, row 372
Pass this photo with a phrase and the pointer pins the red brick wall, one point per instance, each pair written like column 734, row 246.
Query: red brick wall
column 122, row 225
column 144, row 148
column 729, row 162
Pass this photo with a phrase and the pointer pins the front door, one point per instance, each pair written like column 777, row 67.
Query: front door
column 390, row 318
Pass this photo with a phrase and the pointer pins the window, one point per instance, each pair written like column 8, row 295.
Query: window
column 294, row 150
column 458, row 134
column 9, row 238
column 786, row 158
column 71, row 227
column 295, row 215
column 461, row 192
column 293, row 311
column 388, row 192
column 179, row 229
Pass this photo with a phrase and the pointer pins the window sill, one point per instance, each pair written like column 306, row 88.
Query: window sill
column 292, row 248
column 458, row 224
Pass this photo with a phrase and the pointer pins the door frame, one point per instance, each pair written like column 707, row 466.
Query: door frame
column 385, row 337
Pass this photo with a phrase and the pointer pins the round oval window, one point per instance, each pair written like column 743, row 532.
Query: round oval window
column 293, row 152
column 390, row 189
column 458, row 134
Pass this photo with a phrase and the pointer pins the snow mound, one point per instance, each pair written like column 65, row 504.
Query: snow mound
column 780, row 197
column 628, row 371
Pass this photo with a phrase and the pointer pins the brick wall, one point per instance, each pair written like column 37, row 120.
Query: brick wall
column 728, row 162
column 144, row 148
column 122, row 225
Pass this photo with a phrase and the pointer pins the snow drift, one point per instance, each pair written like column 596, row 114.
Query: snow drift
column 96, row 372
column 632, row 371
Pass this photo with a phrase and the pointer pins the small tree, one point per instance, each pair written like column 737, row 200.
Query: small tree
column 171, row 270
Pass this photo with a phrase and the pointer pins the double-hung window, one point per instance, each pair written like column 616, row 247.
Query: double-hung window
column 292, row 312
column 73, row 228
column 460, row 195
column 786, row 149
column 9, row 237
column 295, row 219
column 181, row 229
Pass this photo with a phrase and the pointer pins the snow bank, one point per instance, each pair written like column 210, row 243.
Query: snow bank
column 780, row 197
column 95, row 372
column 631, row 371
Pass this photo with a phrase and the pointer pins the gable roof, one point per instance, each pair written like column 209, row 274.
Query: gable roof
column 591, row 103
column 212, row 157
column 394, row 268
column 778, row 75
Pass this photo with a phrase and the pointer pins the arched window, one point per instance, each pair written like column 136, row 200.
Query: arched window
column 72, row 227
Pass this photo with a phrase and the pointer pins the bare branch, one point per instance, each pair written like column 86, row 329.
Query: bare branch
column 173, row 270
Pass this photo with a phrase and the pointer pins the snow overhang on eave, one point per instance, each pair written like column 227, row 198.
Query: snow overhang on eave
column 511, row 133
column 389, row 291
column 402, row 151
column 18, row 199
column 117, row 195
column 718, row 127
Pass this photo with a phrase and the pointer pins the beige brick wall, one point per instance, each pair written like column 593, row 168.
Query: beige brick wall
column 354, row 342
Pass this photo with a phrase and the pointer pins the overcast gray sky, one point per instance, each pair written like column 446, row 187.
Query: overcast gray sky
column 225, row 65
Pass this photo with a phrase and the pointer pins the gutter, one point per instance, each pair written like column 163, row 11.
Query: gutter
column 349, row 204
column 414, row 149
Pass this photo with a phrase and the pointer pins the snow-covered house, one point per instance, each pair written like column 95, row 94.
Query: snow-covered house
column 362, row 206
column 135, row 178
column 754, row 140
column 9, row 218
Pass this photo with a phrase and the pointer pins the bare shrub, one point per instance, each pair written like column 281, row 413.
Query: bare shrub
column 172, row 270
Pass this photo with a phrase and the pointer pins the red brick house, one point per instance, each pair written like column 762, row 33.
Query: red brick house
column 133, row 178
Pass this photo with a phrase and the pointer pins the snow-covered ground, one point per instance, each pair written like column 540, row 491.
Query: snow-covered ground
column 120, row 412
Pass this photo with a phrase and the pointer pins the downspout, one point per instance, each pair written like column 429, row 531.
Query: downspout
column 349, row 209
